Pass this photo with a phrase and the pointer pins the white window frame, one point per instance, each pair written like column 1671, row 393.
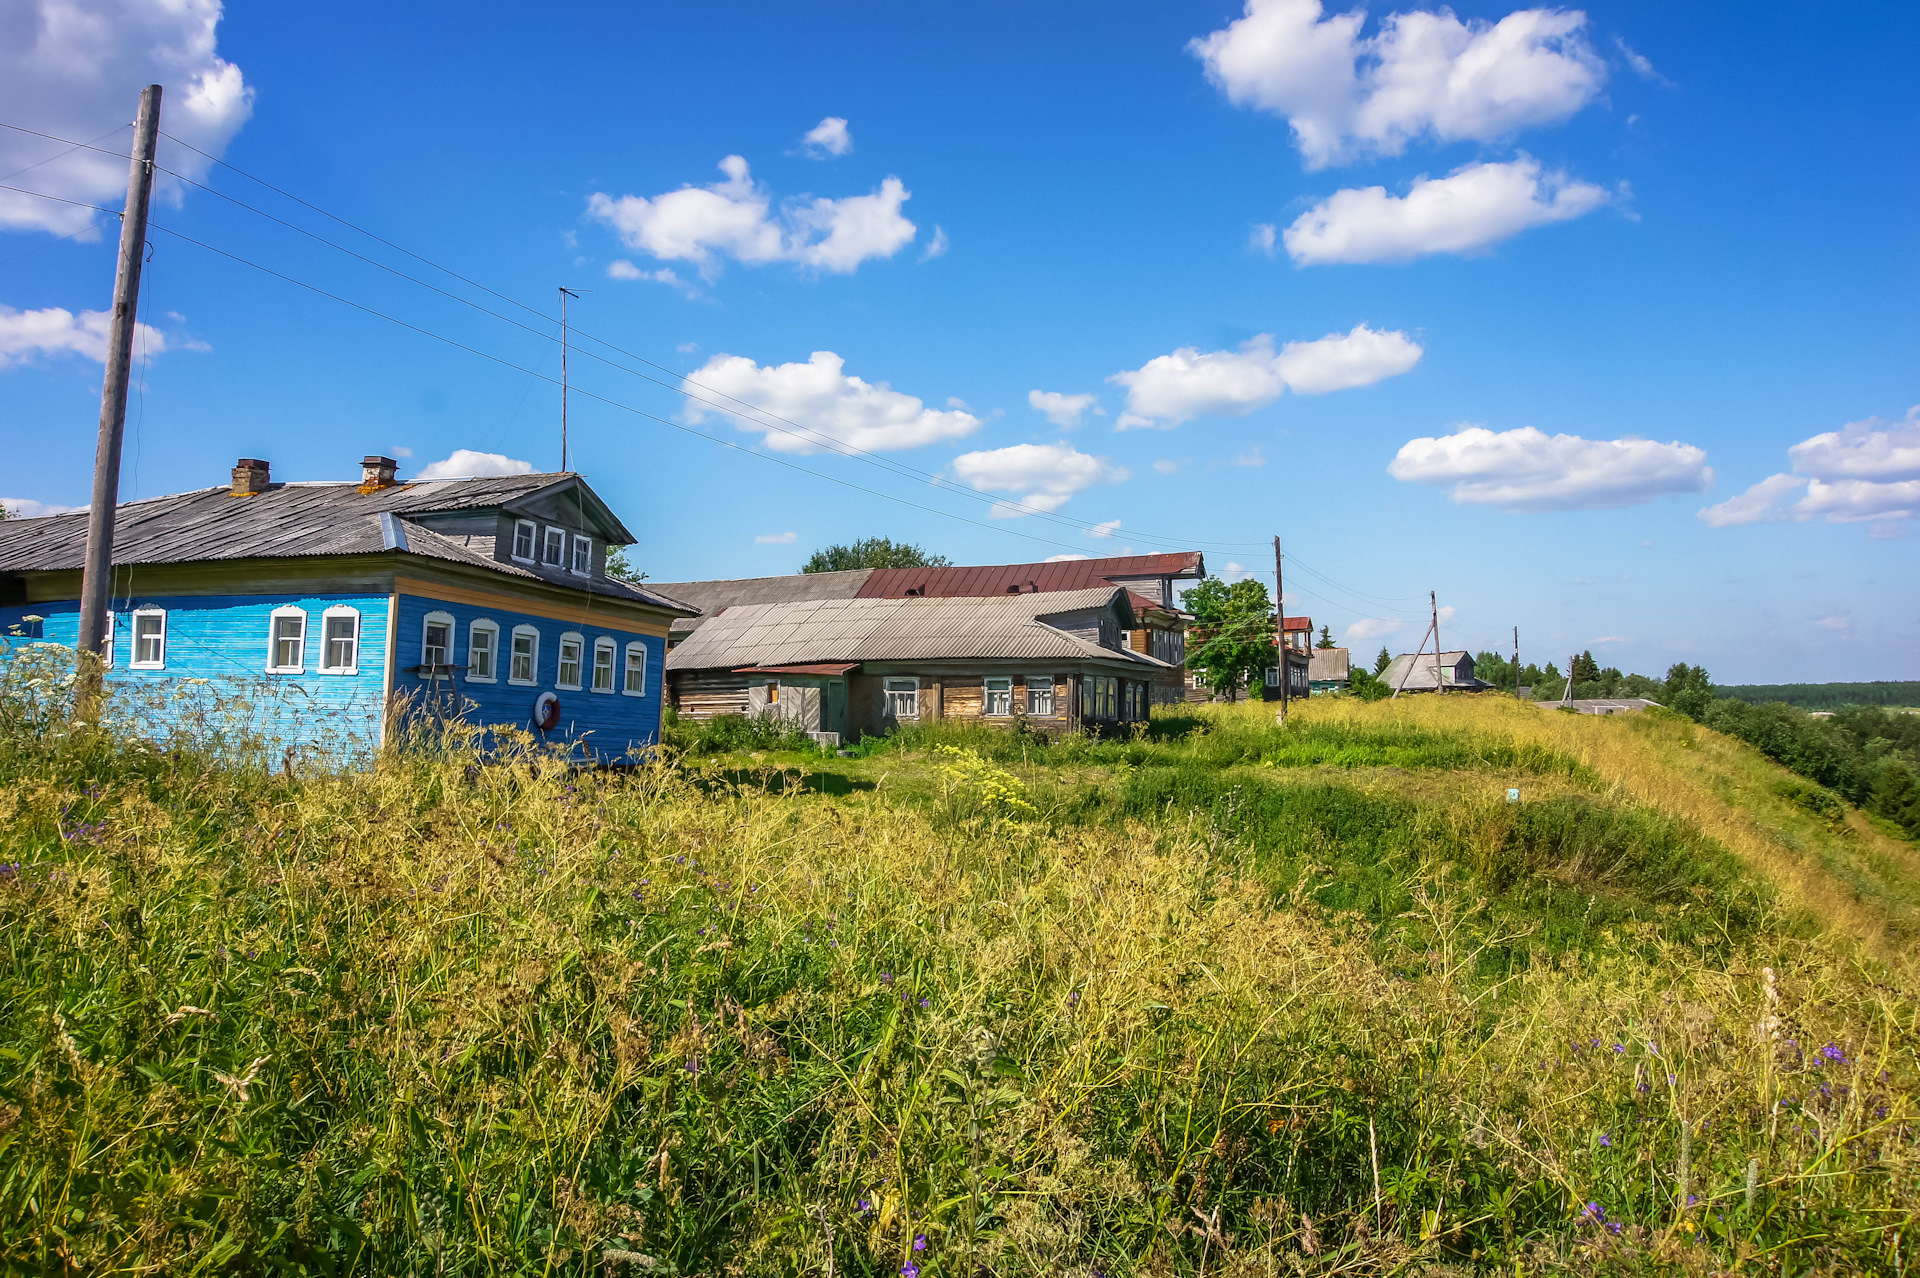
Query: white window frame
column 533, row 541
column 436, row 617
column 274, row 664
column 533, row 659
column 133, row 653
column 582, row 550
column 579, row 643
column 547, row 539
column 612, row 650
column 889, row 691
column 327, row 618
column 106, row 660
column 491, row 629
column 997, row 686
column 1039, row 688
column 627, row 687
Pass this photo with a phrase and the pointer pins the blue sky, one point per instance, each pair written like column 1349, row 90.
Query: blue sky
column 1489, row 301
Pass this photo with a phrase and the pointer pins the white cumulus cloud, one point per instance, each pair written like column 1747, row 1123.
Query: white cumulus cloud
column 465, row 463
column 1342, row 361
column 1424, row 74
column 735, row 218
column 1170, row 389
column 54, row 330
column 1106, row 528
column 776, row 539
column 74, row 68
column 1463, row 212
column 1373, row 627
column 1063, row 559
column 1064, row 411
column 1528, row 470
column 1039, row 476
column 827, row 138
column 1867, row 471
column 937, row 246
column 28, row 508
column 818, row 404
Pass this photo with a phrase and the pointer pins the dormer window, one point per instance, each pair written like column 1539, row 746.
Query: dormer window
column 553, row 553
column 583, row 556
column 523, row 535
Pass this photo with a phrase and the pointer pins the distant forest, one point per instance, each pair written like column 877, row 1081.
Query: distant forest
column 1826, row 696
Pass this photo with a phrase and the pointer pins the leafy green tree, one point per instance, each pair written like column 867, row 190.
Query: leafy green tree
column 1494, row 669
column 1232, row 632
column 873, row 552
column 1689, row 689
column 1896, row 796
column 1382, row 661
column 620, row 569
column 1367, row 687
column 1326, row 638
column 1585, row 669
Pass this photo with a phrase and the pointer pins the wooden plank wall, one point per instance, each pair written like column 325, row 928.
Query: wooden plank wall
column 703, row 694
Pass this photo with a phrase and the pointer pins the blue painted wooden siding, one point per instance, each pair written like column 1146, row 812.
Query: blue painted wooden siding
column 224, row 640
column 606, row 725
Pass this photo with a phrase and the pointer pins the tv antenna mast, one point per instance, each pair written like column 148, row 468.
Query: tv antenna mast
column 565, row 293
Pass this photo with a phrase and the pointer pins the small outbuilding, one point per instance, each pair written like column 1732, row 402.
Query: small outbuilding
column 1058, row 660
column 1329, row 670
column 1431, row 672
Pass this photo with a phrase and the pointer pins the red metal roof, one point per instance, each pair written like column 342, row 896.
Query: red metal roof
column 1005, row 579
column 1299, row 623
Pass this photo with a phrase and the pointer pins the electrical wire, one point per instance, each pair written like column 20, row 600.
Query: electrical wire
column 788, row 426
column 806, row 434
column 612, row 403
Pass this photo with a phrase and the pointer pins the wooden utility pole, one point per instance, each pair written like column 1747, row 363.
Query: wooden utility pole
column 1516, row 661
column 1439, row 680
column 1280, row 629
column 96, row 574
column 565, row 293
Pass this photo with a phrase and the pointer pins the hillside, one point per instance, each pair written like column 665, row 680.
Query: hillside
column 1225, row 999
column 1828, row 696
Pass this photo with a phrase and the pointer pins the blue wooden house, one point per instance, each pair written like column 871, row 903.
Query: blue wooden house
column 337, row 610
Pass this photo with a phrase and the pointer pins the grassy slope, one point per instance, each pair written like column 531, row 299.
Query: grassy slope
column 1327, row 985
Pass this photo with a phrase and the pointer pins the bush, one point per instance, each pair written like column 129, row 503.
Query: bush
column 725, row 733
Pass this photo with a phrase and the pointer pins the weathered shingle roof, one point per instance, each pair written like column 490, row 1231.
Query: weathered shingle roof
column 1005, row 627
column 711, row 596
column 1328, row 663
column 986, row 580
column 298, row 521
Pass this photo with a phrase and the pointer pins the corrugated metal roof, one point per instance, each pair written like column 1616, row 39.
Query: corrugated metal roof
column 986, row 580
column 298, row 521
column 804, row 632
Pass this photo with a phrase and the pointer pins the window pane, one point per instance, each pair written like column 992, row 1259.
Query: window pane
column 603, row 667
column 148, row 633
column 1039, row 696
column 569, row 663
column 523, row 657
column 480, row 653
column 556, row 548
column 523, row 541
column 582, row 554
column 636, row 672
column 340, row 638
column 289, row 635
column 439, row 640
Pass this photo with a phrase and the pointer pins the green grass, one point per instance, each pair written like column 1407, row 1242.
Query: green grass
column 1195, row 1003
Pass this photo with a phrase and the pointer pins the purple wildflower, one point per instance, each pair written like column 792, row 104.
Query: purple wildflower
column 909, row 1270
column 1833, row 1053
column 1594, row 1211
column 1613, row 1226
column 10, row 871
column 1606, row 1141
column 919, row 1242
column 926, row 1002
column 886, row 978
column 1618, row 1049
column 1671, row 1078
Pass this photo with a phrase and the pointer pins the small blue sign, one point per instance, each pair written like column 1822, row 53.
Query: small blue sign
column 1513, row 796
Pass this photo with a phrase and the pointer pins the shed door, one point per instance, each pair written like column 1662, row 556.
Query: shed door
column 835, row 716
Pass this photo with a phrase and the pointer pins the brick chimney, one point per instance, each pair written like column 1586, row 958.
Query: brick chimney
column 378, row 472
column 250, row 476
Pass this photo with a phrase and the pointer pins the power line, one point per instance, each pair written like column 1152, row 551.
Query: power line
column 808, row 434
column 612, row 403
column 77, row 146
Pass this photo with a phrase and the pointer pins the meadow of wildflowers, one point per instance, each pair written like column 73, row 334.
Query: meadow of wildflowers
column 1223, row 999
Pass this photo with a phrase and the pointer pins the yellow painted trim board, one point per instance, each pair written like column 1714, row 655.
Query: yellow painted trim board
column 605, row 620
